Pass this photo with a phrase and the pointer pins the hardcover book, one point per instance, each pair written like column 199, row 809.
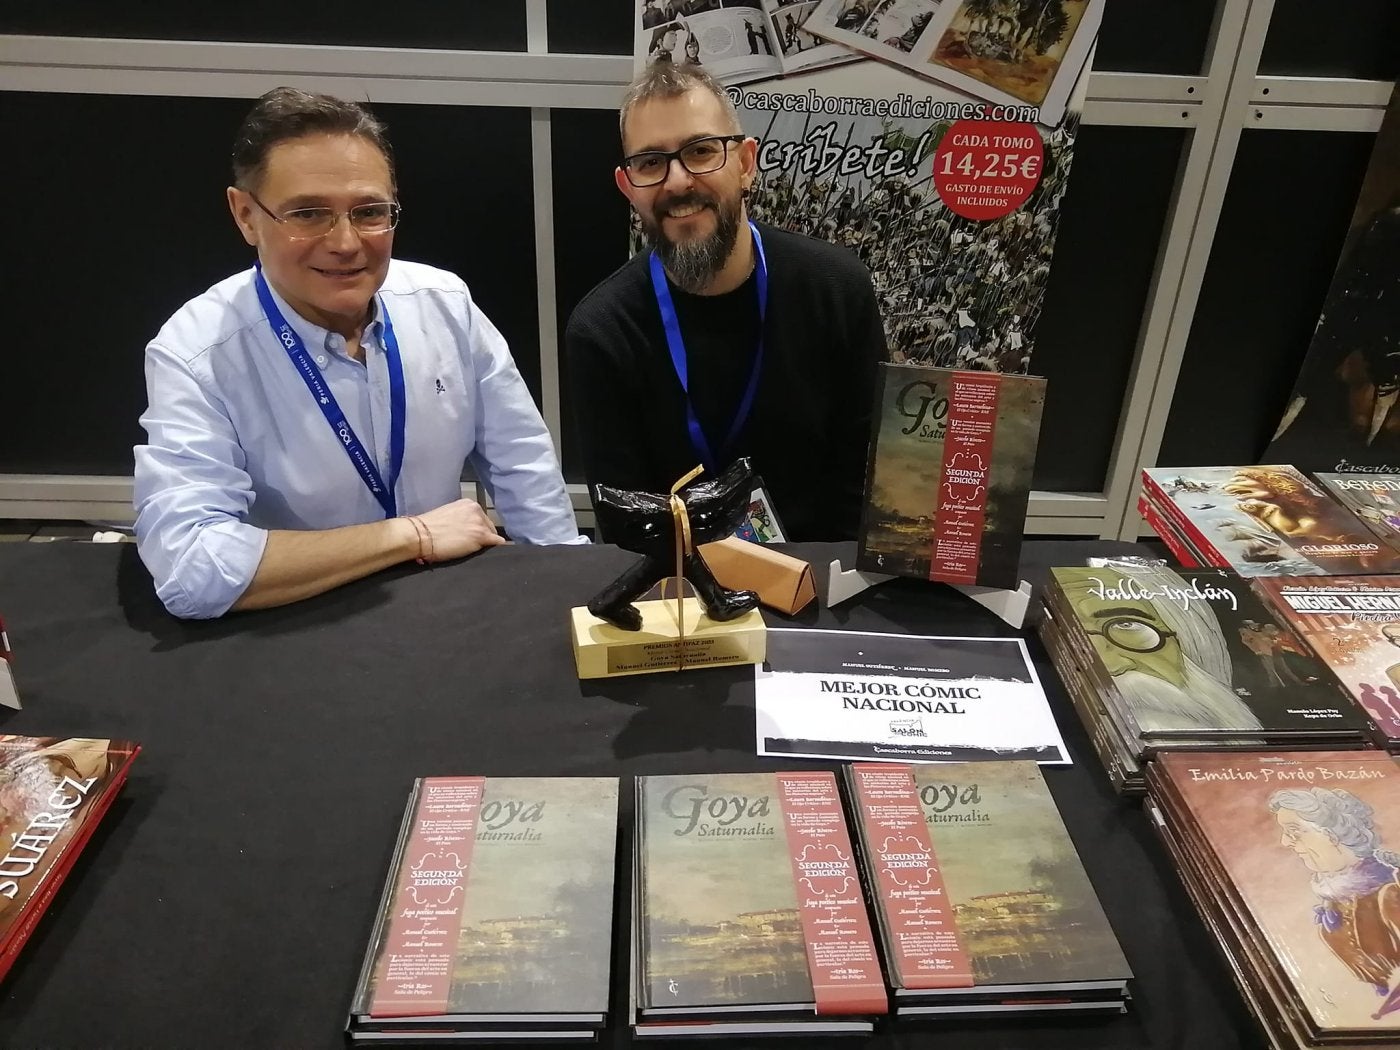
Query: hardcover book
column 1373, row 498
column 1290, row 853
column 749, row 908
column 949, row 474
column 496, row 918
column 1194, row 654
column 54, row 792
column 1265, row 521
column 981, row 897
column 1353, row 624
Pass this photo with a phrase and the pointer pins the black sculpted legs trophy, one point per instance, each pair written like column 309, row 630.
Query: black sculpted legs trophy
column 665, row 536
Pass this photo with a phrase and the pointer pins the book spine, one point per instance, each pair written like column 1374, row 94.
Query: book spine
column 925, row 948
column 413, row 973
column 360, row 1004
column 1176, row 517
column 1168, row 535
column 841, row 956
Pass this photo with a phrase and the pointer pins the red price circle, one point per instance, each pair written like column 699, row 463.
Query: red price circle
column 984, row 169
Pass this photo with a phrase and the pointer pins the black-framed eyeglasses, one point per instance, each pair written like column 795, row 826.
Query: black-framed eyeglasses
column 699, row 158
column 1134, row 635
column 305, row 224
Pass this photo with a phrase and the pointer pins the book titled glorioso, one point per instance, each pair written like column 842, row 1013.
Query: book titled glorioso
column 53, row 793
column 496, row 919
column 949, row 474
column 749, row 916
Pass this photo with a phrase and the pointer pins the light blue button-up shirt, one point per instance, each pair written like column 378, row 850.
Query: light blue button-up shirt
column 236, row 445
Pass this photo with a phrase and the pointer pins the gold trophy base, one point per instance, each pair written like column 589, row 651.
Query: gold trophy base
column 604, row 651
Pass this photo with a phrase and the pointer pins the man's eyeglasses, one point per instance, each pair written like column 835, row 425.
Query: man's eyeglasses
column 304, row 224
column 1134, row 635
column 699, row 158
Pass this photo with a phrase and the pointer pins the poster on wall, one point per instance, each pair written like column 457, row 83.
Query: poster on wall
column 1344, row 413
column 948, row 184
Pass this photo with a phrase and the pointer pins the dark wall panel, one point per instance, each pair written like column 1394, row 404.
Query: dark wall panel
column 1341, row 38
column 497, row 25
column 598, row 27
column 1286, row 211
column 1114, row 217
column 590, row 227
column 1155, row 38
column 125, row 220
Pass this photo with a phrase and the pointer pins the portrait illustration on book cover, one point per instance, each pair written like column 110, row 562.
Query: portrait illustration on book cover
column 1334, row 835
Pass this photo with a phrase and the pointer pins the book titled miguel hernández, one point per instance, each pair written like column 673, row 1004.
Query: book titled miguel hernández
column 496, row 919
column 1353, row 624
column 982, row 901
column 749, row 912
column 53, row 793
column 949, row 474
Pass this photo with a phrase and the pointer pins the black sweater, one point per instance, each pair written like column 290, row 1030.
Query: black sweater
column 810, row 424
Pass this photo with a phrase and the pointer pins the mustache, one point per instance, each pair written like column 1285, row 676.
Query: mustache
column 685, row 200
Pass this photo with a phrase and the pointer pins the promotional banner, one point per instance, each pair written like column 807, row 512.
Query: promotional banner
column 948, row 184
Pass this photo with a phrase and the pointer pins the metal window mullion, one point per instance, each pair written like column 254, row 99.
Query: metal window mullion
column 1237, row 39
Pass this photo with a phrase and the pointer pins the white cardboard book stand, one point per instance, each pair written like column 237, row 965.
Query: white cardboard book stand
column 1008, row 605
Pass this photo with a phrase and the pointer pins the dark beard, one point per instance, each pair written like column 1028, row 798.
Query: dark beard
column 693, row 263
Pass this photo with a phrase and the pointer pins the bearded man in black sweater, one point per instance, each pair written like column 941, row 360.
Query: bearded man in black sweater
column 729, row 338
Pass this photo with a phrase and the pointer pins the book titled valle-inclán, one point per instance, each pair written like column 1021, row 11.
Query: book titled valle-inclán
column 748, row 912
column 949, row 474
column 495, row 923
column 54, row 792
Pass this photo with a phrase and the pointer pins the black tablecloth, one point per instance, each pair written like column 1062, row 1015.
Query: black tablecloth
column 227, row 898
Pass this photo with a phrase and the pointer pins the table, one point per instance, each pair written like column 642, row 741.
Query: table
column 227, row 899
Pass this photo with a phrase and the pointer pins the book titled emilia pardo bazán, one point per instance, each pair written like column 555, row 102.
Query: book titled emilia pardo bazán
column 949, row 474
column 496, row 919
column 748, row 911
column 982, row 902
column 54, row 792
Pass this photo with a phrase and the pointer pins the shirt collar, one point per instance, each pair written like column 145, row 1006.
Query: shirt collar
column 315, row 336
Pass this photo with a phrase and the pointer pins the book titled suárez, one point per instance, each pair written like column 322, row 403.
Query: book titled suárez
column 53, row 793
column 750, row 902
column 949, row 474
column 497, row 910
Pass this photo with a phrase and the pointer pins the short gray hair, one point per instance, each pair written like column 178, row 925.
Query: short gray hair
column 672, row 80
column 1339, row 813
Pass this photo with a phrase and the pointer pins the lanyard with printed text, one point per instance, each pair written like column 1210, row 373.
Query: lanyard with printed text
column 382, row 488
column 676, row 345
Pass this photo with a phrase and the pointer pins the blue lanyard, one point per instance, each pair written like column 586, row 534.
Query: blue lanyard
column 676, row 345
column 364, row 463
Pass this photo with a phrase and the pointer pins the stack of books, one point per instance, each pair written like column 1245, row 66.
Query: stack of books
column 748, row 913
column 982, row 903
column 1272, row 520
column 495, row 923
column 1155, row 658
column 1288, row 856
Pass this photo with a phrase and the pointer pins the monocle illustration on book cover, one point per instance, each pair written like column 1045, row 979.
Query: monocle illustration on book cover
column 719, row 913
column 949, row 474
column 1026, row 911
column 1195, row 651
column 1309, row 841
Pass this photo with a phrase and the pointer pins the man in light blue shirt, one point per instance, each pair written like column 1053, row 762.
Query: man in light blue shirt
column 308, row 419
